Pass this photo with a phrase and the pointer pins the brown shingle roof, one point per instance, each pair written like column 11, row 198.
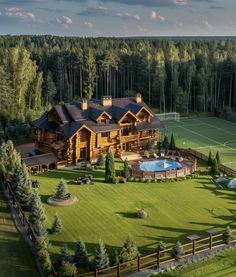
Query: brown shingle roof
column 44, row 159
column 73, row 117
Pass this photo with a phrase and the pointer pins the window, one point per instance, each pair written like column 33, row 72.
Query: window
column 105, row 135
column 126, row 130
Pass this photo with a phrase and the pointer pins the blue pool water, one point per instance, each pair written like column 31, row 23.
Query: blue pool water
column 160, row 165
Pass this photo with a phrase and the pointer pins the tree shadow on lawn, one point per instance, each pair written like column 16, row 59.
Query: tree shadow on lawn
column 128, row 214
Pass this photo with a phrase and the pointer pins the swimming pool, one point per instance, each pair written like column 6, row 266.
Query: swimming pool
column 160, row 165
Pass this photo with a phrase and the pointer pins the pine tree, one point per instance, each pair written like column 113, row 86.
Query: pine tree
column 65, row 256
column 172, row 143
column 49, row 88
column 177, row 250
column 81, row 255
column 227, row 235
column 37, row 215
column 210, row 159
column 215, row 167
column 165, row 143
column 126, row 172
column 57, row 225
column 148, row 145
column 101, row 259
column 218, row 158
column 62, row 190
column 23, row 190
column 129, row 250
column 109, row 167
column 115, row 258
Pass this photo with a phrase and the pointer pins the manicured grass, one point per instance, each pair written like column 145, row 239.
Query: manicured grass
column 107, row 211
column 205, row 134
column 223, row 264
column 15, row 256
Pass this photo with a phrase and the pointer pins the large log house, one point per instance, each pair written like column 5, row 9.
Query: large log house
column 82, row 130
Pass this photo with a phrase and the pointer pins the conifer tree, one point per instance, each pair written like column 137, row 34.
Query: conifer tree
column 227, row 235
column 101, row 259
column 177, row 250
column 165, row 143
column 37, row 215
column 218, row 158
column 172, row 143
column 109, row 167
column 129, row 250
column 65, row 256
column 23, row 191
column 57, row 224
column 126, row 172
column 81, row 255
column 62, row 190
column 210, row 159
column 215, row 167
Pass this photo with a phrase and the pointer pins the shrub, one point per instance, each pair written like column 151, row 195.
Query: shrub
column 142, row 213
column 68, row 269
column 101, row 160
column 148, row 145
column 101, row 259
column 146, row 153
column 227, row 235
column 177, row 250
column 172, row 143
column 65, row 256
column 160, row 246
column 210, row 159
column 129, row 251
column 115, row 180
column 57, row 225
column 109, row 167
column 45, row 261
column 126, row 172
column 81, row 255
column 62, row 190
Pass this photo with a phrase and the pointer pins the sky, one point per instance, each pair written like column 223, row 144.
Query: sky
column 119, row 17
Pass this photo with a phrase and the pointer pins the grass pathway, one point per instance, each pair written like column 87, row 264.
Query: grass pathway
column 15, row 256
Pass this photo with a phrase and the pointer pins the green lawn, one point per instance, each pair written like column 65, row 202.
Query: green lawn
column 15, row 256
column 222, row 265
column 107, row 211
column 205, row 134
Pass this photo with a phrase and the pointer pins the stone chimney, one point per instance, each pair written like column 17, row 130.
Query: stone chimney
column 138, row 98
column 84, row 104
column 106, row 101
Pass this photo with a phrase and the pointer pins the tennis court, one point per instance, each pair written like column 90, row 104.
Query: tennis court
column 206, row 134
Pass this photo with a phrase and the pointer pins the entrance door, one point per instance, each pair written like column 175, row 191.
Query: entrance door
column 127, row 146
column 83, row 153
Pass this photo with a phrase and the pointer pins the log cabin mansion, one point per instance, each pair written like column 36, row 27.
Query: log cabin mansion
column 70, row 133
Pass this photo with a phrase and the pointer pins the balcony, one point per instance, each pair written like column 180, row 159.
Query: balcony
column 131, row 137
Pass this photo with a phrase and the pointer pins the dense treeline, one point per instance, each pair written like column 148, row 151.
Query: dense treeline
column 180, row 75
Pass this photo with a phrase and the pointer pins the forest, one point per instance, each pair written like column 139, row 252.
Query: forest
column 172, row 75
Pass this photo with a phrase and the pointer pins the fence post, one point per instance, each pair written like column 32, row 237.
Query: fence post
column 118, row 270
column 158, row 258
column 138, row 265
column 96, row 273
column 193, row 248
column 210, row 242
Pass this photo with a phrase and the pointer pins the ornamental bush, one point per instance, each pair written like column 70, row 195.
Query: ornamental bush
column 57, row 225
column 177, row 250
column 142, row 213
column 101, row 259
column 45, row 261
column 62, row 190
column 227, row 235
column 109, row 167
column 129, row 251
column 81, row 255
column 68, row 269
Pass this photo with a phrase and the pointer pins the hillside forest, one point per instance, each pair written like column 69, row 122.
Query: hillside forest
column 186, row 76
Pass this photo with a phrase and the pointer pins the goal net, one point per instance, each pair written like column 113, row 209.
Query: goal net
column 168, row 116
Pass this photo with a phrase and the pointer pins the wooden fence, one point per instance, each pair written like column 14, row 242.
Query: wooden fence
column 20, row 213
column 162, row 258
column 223, row 168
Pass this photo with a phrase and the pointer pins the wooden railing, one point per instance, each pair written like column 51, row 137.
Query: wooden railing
column 162, row 258
column 223, row 168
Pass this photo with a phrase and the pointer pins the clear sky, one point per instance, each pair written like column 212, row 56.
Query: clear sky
column 118, row 17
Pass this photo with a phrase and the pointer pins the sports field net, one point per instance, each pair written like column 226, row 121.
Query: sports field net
column 169, row 116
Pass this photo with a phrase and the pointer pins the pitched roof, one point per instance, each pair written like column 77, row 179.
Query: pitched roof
column 73, row 117
column 44, row 159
